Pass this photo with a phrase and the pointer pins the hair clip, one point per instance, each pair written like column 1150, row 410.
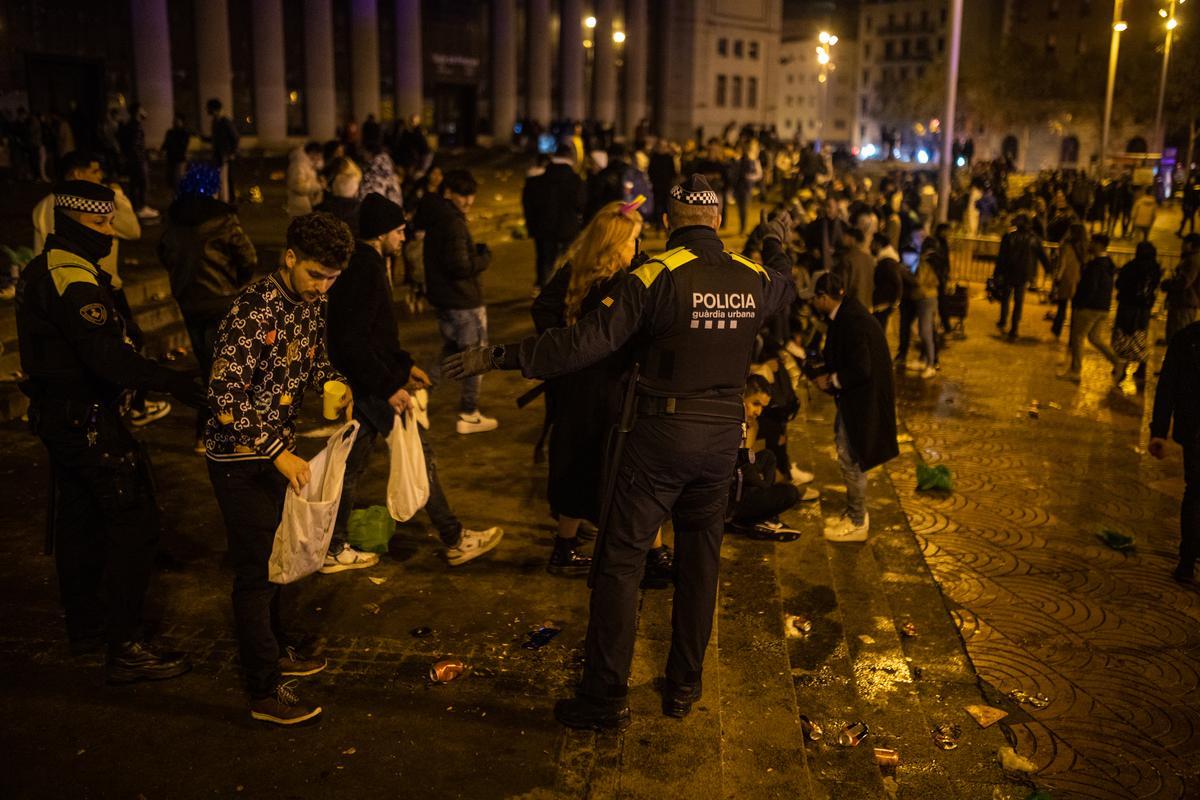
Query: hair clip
column 633, row 205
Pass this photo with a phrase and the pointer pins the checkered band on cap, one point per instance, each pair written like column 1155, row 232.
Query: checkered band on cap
column 702, row 197
column 86, row 205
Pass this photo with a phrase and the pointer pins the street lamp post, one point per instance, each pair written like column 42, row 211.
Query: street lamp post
column 1171, row 24
column 1118, row 25
column 945, row 169
column 825, row 59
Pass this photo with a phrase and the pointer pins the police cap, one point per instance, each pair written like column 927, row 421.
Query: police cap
column 695, row 191
column 85, row 197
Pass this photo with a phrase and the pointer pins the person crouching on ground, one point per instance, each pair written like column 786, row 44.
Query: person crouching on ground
column 364, row 346
column 758, row 499
column 270, row 348
column 858, row 373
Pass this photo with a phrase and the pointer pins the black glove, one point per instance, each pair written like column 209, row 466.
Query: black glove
column 473, row 361
column 779, row 228
column 188, row 389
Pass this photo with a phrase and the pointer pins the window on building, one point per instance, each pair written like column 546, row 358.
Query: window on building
column 722, row 47
column 904, row 73
column 1052, row 9
column 1080, row 44
column 891, row 20
column 839, row 124
column 923, row 46
column 737, row 91
column 721, row 84
column 904, row 48
column 1051, row 44
column 889, row 49
column 868, row 22
column 924, row 18
column 867, row 50
column 866, row 76
column 863, row 104
column 1085, row 8
column 943, row 16
column 738, row 48
column 941, row 44
column 862, row 130
column 751, row 92
column 752, row 50
column 907, row 20
column 791, row 78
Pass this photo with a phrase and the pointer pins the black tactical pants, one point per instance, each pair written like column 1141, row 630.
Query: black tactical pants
column 105, row 521
column 1189, row 517
column 674, row 468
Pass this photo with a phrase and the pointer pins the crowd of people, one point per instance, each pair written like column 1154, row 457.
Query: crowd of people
column 669, row 379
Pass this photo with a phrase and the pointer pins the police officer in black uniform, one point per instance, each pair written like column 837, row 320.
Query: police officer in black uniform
column 79, row 363
column 690, row 316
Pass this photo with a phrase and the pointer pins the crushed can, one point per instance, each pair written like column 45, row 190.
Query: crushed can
column 852, row 733
column 886, row 757
column 811, row 730
column 446, row 670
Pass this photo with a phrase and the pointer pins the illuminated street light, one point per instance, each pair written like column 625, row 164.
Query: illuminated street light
column 1172, row 24
column 1160, row 132
column 823, row 38
column 589, row 22
column 1121, row 26
column 825, row 59
column 619, row 36
column 1114, row 50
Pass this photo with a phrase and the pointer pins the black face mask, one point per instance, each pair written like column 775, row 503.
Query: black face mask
column 81, row 239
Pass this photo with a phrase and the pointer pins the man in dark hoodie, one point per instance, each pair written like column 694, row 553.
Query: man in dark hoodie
column 454, row 264
column 209, row 259
column 552, row 203
column 1090, row 307
column 364, row 346
column 608, row 184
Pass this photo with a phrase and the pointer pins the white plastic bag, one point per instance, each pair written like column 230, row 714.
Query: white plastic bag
column 408, row 481
column 307, row 524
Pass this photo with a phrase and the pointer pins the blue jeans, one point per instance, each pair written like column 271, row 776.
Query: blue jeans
column 462, row 328
column 376, row 417
column 852, row 473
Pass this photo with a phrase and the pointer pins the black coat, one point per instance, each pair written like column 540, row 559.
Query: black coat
column 1095, row 285
column 453, row 262
column 208, row 256
column 1178, row 394
column 1137, row 286
column 553, row 202
column 1020, row 252
column 856, row 351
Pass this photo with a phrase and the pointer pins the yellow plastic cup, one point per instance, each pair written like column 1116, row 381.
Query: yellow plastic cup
column 335, row 398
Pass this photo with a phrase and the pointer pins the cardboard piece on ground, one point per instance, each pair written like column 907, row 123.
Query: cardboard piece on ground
column 986, row 716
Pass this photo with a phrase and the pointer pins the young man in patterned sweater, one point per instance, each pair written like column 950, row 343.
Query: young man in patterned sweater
column 270, row 348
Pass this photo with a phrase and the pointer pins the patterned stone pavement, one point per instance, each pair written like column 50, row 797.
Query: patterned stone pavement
column 1044, row 607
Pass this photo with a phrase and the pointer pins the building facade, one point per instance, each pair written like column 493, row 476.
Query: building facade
column 817, row 101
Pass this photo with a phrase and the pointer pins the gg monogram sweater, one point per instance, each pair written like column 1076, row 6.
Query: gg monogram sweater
column 269, row 349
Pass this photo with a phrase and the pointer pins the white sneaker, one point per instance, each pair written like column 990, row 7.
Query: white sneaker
column 928, row 372
column 154, row 410
column 809, row 494
column 800, row 477
column 146, row 212
column 844, row 530
column 475, row 423
column 473, row 544
column 349, row 558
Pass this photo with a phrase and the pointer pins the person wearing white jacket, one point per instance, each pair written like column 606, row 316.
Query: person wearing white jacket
column 303, row 180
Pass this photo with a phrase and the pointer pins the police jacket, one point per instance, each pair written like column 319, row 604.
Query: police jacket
column 1177, row 398
column 72, row 339
column 690, row 315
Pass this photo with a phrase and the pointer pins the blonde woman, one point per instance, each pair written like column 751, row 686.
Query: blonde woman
column 580, row 407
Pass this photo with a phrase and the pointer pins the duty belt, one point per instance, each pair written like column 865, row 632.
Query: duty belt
column 727, row 408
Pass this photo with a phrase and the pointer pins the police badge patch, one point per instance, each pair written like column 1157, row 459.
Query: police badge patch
column 94, row 313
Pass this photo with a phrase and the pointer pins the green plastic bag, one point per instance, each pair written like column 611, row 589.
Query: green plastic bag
column 930, row 479
column 371, row 529
column 1115, row 540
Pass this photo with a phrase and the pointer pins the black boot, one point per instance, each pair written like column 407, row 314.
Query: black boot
column 1185, row 572
column 130, row 662
column 677, row 698
column 566, row 560
column 660, row 568
column 584, row 713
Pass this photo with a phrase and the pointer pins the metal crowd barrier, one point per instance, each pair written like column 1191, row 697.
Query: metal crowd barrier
column 973, row 257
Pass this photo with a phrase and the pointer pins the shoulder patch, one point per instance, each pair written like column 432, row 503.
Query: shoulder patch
column 95, row 313
column 67, row 268
column 670, row 260
column 745, row 262
column 673, row 259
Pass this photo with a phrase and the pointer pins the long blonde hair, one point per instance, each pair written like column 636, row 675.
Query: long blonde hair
column 595, row 255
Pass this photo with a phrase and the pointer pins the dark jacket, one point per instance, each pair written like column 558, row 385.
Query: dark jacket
column 1020, row 252
column 1095, row 285
column 553, row 202
column 1183, row 290
column 1178, row 395
column 888, row 282
column 363, row 343
column 453, row 262
column 207, row 254
column 1137, row 284
column 344, row 208
column 224, row 139
column 605, row 186
column 856, row 351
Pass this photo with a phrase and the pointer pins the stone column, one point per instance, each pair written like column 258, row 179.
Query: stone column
column 214, row 67
column 410, row 91
column 570, row 55
column 270, row 83
column 637, row 48
column 504, row 69
column 538, row 36
column 152, row 65
column 320, row 102
column 604, row 67
column 364, row 50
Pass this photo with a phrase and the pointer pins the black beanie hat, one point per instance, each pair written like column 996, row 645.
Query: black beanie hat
column 378, row 216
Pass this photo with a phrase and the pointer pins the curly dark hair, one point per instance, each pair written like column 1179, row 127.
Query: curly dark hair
column 321, row 237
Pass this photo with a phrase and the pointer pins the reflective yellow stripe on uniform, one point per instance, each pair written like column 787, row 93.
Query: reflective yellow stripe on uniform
column 67, row 268
column 748, row 263
column 670, row 260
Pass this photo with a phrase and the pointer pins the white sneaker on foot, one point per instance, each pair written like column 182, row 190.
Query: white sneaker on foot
column 475, row 423
column 928, row 372
column 809, row 494
column 154, row 410
column 349, row 558
column 843, row 529
column 799, row 476
column 146, row 212
column 473, row 544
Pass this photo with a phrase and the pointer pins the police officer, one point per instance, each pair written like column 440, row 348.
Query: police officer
column 79, row 363
column 690, row 316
